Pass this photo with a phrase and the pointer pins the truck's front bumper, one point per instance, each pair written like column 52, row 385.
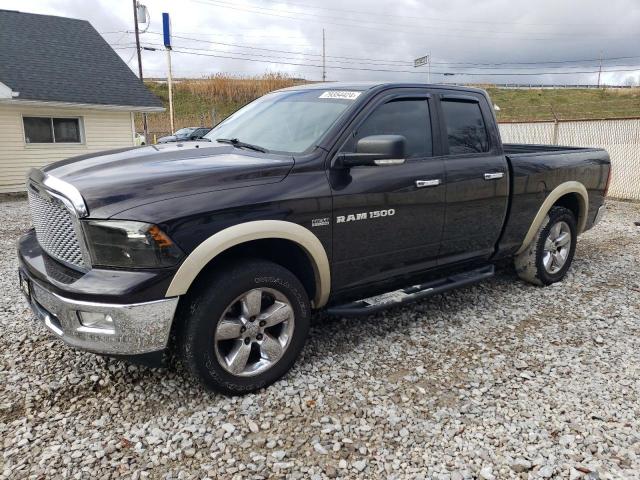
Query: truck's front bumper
column 133, row 328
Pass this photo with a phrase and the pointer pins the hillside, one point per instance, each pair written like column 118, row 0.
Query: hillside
column 195, row 100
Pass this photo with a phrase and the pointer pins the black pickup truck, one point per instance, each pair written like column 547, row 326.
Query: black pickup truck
column 348, row 198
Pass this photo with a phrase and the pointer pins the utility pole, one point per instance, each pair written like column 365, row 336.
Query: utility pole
column 170, row 82
column 166, row 34
column 324, row 70
column 600, row 69
column 429, row 66
column 135, row 25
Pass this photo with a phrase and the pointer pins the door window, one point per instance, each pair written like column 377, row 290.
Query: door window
column 408, row 117
column 466, row 130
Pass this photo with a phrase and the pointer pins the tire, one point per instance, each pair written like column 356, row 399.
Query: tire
column 241, row 354
column 538, row 264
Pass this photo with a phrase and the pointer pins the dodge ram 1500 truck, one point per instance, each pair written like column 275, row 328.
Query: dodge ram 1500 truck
column 344, row 197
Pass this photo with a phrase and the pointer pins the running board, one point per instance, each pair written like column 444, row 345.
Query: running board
column 374, row 304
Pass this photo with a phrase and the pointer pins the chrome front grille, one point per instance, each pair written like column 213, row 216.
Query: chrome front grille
column 55, row 228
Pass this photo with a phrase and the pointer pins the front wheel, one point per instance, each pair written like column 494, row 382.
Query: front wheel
column 246, row 327
column 549, row 255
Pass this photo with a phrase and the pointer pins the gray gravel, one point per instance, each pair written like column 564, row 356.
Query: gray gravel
column 499, row 380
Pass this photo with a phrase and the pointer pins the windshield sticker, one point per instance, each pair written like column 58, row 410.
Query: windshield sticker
column 340, row 94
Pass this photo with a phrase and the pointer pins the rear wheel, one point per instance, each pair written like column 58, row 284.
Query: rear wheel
column 548, row 257
column 246, row 327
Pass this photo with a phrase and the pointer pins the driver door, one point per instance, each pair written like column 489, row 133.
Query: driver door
column 388, row 220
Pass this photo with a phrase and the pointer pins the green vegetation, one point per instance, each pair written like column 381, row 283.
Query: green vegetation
column 194, row 101
column 565, row 104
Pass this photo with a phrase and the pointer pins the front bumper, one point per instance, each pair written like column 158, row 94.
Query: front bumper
column 137, row 328
column 141, row 315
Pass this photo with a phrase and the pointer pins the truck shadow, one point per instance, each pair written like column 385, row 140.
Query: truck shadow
column 340, row 335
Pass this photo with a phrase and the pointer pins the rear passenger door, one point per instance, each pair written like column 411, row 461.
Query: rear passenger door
column 476, row 178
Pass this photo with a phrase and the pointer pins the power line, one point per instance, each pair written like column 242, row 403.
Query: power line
column 278, row 56
column 280, row 51
column 402, row 71
column 360, row 24
column 438, row 19
column 400, row 62
column 386, row 62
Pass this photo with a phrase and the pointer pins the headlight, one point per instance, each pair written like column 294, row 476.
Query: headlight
column 123, row 243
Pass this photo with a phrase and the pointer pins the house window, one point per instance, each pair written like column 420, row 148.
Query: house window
column 52, row 130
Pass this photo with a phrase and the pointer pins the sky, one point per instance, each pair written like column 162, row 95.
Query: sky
column 469, row 41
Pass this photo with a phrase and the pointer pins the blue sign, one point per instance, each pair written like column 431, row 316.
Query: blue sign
column 166, row 30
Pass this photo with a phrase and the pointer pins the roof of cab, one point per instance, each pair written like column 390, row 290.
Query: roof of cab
column 364, row 86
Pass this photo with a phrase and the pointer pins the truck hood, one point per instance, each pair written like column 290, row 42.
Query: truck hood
column 117, row 180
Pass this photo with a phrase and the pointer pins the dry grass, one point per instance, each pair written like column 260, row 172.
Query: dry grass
column 236, row 90
column 198, row 101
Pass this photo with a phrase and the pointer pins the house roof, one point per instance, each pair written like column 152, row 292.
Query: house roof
column 58, row 59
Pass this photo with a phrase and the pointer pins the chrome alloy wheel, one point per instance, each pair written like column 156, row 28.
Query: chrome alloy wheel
column 556, row 247
column 254, row 332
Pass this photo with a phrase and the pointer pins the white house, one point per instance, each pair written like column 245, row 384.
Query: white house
column 63, row 92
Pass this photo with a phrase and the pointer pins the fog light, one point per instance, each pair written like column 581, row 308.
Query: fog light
column 95, row 321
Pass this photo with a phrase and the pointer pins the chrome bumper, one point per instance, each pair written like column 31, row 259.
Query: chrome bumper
column 137, row 328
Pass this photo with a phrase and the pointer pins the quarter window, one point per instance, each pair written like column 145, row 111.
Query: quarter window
column 466, row 130
column 52, row 130
column 407, row 117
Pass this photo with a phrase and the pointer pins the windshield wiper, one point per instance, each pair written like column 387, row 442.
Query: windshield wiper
column 238, row 144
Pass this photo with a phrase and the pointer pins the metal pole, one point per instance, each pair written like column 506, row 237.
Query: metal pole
column 170, row 83
column 429, row 67
column 324, row 70
column 135, row 26
column 600, row 70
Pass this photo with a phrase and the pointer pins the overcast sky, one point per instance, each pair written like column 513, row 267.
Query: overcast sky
column 367, row 35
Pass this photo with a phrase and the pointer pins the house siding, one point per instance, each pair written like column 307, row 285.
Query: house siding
column 103, row 130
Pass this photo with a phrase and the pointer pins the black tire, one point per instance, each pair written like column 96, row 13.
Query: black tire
column 200, row 353
column 530, row 264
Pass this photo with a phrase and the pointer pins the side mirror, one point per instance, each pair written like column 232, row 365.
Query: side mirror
column 375, row 150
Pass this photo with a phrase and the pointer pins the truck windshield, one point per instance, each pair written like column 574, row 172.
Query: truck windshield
column 289, row 122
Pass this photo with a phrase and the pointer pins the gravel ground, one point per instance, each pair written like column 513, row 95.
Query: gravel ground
column 499, row 380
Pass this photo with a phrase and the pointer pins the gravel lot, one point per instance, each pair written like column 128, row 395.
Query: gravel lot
column 499, row 380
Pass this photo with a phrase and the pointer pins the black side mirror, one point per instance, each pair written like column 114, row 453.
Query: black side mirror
column 374, row 150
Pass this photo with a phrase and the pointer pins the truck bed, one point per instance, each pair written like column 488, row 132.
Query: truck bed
column 536, row 170
column 524, row 148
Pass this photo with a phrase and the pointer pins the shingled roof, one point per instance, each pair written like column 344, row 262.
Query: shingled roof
column 58, row 59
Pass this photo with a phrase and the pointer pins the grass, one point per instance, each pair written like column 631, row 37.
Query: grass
column 565, row 104
column 197, row 101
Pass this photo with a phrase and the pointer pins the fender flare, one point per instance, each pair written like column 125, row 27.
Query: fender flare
column 256, row 230
column 561, row 190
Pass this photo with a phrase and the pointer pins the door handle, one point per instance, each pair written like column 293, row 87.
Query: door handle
column 427, row 183
column 493, row 176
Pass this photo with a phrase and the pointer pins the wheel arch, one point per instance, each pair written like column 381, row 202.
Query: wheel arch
column 572, row 195
column 246, row 233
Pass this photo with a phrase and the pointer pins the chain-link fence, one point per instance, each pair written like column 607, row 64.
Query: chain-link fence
column 621, row 138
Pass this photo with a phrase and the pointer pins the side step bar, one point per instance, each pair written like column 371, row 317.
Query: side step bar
column 371, row 305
